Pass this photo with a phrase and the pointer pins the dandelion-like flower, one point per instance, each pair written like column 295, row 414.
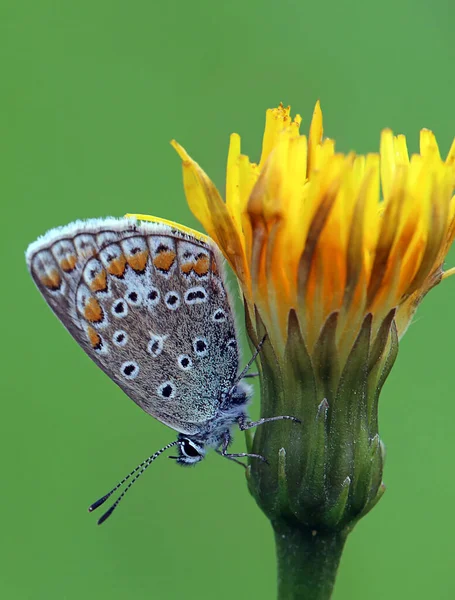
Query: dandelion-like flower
column 333, row 254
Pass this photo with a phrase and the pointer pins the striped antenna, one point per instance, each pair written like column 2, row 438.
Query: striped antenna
column 141, row 468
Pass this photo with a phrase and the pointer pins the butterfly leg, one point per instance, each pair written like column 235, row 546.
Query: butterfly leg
column 245, row 424
column 239, row 462
column 226, row 454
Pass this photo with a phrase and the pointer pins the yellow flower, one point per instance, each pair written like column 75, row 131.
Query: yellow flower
column 321, row 232
column 333, row 253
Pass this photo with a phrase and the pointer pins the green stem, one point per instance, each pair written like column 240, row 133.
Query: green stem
column 307, row 561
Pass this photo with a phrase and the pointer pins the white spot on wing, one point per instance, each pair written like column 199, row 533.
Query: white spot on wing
column 167, row 390
column 200, row 346
column 133, row 297
column 184, row 362
column 152, row 296
column 156, row 344
column 172, row 300
column 219, row 316
column 129, row 369
column 196, row 295
column 120, row 338
column 119, row 309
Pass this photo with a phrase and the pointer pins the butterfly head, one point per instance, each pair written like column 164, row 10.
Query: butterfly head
column 190, row 451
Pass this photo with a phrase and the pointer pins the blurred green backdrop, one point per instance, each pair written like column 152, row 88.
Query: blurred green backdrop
column 92, row 92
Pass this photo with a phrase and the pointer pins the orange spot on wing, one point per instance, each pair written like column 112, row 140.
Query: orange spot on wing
column 99, row 283
column 94, row 338
column 138, row 261
column 68, row 263
column 187, row 267
column 117, row 266
column 201, row 266
column 52, row 280
column 214, row 266
column 93, row 311
column 164, row 260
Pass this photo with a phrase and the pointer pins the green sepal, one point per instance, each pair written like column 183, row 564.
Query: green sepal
column 302, row 402
column 348, row 415
column 282, row 497
column 377, row 465
column 299, row 374
column 313, row 489
column 249, row 439
column 381, row 359
column 335, row 514
column 379, row 374
column 372, row 503
column 327, row 471
column 325, row 359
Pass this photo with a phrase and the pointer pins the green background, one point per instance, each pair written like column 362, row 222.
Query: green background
column 91, row 94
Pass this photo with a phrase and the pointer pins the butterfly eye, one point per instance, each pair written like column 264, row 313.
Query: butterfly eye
column 190, row 450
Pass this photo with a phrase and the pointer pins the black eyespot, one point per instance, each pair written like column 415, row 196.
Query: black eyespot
column 162, row 248
column 172, row 300
column 156, row 345
column 120, row 338
column 119, row 309
column 219, row 315
column 232, row 343
column 166, row 391
column 187, row 255
column 185, row 362
column 130, row 369
column 132, row 296
column 153, row 295
column 190, row 450
column 200, row 346
column 135, row 250
column 110, row 257
column 195, row 295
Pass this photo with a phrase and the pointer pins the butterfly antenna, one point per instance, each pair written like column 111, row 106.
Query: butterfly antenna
column 141, row 468
column 251, row 361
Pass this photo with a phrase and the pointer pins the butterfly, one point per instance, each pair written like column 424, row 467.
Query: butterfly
column 147, row 301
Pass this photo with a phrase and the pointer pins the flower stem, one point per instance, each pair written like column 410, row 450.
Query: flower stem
column 307, row 561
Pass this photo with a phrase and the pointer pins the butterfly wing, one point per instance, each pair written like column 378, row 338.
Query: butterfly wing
column 147, row 302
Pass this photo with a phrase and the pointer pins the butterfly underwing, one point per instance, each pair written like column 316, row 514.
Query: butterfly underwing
column 147, row 301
